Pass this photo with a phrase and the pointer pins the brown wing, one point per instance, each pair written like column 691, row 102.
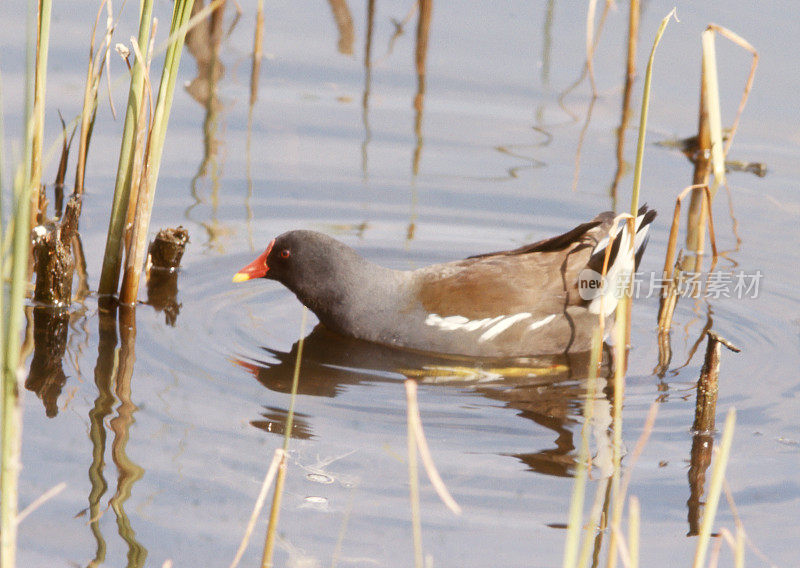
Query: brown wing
column 540, row 278
column 560, row 242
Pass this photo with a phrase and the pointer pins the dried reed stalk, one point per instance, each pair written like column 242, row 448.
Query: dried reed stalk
column 709, row 138
column 258, row 53
column 671, row 274
column 278, row 457
column 94, row 74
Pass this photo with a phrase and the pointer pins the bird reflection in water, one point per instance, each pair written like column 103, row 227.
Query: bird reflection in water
column 548, row 391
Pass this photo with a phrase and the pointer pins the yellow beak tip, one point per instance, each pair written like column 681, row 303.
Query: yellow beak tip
column 240, row 277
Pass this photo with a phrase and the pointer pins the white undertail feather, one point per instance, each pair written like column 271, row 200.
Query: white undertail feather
column 623, row 265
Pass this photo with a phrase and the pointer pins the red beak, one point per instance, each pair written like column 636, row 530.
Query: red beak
column 256, row 269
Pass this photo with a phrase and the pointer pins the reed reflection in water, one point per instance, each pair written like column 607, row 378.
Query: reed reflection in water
column 113, row 378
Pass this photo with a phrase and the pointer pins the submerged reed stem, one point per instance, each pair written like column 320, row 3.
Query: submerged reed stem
column 278, row 457
column 715, row 490
column 424, row 452
column 413, row 488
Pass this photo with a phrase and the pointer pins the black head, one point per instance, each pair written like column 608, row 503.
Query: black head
column 310, row 264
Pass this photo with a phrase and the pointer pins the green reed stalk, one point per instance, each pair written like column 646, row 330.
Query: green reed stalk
column 155, row 146
column 571, row 554
column 648, row 76
column 715, row 490
column 2, row 163
column 272, row 528
column 593, row 534
column 10, row 335
column 11, row 320
column 42, row 49
column 112, row 259
column 624, row 306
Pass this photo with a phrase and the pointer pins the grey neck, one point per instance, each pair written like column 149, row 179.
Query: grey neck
column 356, row 298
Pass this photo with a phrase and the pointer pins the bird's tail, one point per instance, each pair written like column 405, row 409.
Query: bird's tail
column 603, row 294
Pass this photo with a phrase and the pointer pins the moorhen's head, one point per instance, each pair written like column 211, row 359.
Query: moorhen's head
column 302, row 260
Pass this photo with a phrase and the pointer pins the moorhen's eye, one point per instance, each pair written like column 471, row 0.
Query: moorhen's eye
column 285, row 253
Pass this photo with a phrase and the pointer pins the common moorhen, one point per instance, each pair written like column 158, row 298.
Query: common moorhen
column 542, row 298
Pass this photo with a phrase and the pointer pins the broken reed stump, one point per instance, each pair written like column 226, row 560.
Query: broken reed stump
column 708, row 385
column 703, row 427
column 167, row 248
column 52, row 257
column 54, row 265
column 163, row 259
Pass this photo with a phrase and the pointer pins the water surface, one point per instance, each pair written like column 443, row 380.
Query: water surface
column 163, row 436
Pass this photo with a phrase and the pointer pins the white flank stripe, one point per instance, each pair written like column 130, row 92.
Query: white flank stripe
column 477, row 324
column 502, row 325
column 450, row 323
column 541, row 322
column 492, row 327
